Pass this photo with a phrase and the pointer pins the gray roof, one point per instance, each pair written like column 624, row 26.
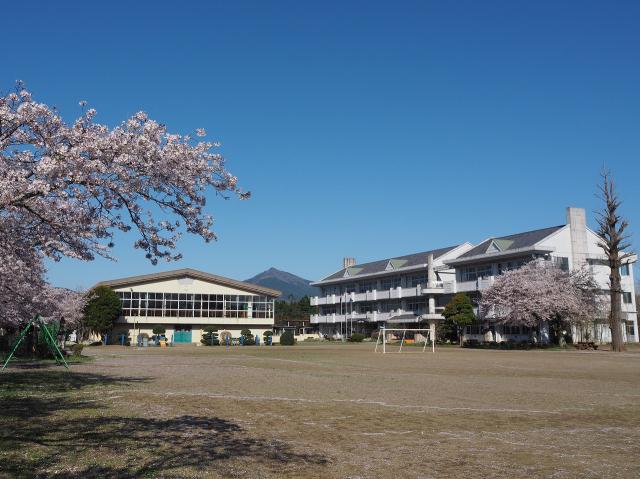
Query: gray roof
column 189, row 273
column 511, row 242
column 415, row 259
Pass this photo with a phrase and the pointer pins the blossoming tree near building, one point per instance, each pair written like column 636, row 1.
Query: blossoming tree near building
column 65, row 189
column 540, row 292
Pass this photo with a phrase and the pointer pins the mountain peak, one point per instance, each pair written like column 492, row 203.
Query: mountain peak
column 288, row 283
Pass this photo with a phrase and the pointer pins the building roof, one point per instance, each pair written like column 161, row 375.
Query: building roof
column 382, row 266
column 189, row 273
column 511, row 242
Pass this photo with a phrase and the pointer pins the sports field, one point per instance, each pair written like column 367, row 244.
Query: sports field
column 323, row 410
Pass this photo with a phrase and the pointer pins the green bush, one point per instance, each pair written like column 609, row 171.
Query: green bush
column 247, row 337
column 159, row 330
column 287, row 339
column 356, row 338
column 210, row 336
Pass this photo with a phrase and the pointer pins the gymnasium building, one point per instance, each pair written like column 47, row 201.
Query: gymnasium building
column 185, row 301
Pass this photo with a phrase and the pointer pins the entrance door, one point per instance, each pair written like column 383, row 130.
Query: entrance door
column 182, row 334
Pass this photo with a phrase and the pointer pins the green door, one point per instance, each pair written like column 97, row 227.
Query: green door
column 182, row 334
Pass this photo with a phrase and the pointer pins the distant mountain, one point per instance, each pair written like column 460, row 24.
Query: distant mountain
column 289, row 284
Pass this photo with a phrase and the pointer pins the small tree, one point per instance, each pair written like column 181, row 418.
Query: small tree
column 267, row 337
column 210, row 336
column 611, row 228
column 102, row 310
column 460, row 312
column 158, row 330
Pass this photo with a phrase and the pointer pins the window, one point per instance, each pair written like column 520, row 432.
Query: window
column 626, row 298
column 471, row 273
column 368, row 307
column 624, row 269
column 511, row 329
column 389, row 306
column 390, row 282
column 350, row 288
column 367, row 286
column 329, row 290
column 417, row 306
column 630, row 329
column 561, row 262
column 473, row 329
column 484, row 271
column 417, row 279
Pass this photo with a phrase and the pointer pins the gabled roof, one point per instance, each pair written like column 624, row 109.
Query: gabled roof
column 510, row 245
column 189, row 273
column 380, row 266
column 511, row 242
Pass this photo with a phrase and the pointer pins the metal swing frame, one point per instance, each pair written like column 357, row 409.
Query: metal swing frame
column 382, row 334
column 48, row 339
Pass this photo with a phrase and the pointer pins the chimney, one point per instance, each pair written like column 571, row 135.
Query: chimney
column 577, row 221
column 348, row 262
column 431, row 275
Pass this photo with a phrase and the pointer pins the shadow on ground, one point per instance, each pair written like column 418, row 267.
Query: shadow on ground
column 48, row 430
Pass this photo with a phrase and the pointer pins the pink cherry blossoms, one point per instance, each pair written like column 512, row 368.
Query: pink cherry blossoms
column 66, row 188
column 540, row 291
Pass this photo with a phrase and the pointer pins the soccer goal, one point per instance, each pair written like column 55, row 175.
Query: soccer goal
column 381, row 343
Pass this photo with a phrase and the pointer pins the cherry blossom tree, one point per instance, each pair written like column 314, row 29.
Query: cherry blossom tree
column 539, row 292
column 65, row 189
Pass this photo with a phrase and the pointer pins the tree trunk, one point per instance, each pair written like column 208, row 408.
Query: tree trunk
column 615, row 312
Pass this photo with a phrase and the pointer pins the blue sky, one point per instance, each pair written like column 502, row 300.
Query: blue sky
column 368, row 129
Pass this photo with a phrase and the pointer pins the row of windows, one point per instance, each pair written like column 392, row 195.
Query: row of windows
column 188, row 305
column 418, row 306
column 504, row 329
column 390, row 282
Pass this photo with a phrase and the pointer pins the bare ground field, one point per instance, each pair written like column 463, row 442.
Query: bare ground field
column 323, row 411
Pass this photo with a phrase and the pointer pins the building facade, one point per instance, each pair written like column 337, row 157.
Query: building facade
column 185, row 301
column 413, row 289
column 405, row 291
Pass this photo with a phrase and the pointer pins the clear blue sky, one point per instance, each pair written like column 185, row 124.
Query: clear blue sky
column 362, row 128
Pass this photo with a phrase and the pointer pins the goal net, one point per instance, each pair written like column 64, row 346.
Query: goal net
column 390, row 336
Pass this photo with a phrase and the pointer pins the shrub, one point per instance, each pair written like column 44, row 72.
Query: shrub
column 247, row 337
column 356, row 338
column 471, row 343
column 287, row 339
column 159, row 330
column 76, row 350
column 210, row 336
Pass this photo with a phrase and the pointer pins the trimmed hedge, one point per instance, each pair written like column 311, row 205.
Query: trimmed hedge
column 356, row 338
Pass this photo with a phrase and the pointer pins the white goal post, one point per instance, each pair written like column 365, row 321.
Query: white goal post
column 382, row 338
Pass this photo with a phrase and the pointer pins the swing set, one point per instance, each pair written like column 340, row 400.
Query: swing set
column 50, row 341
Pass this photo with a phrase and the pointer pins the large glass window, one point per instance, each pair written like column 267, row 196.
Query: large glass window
column 187, row 305
column 417, row 279
column 626, row 298
column 624, row 269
